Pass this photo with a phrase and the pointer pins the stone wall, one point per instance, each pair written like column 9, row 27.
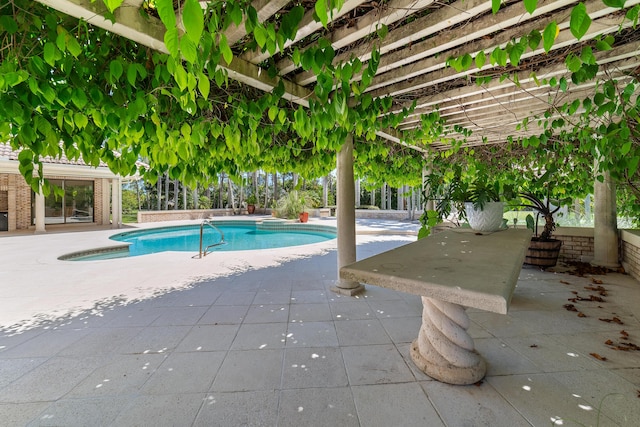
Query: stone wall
column 577, row 243
column 177, row 215
column 631, row 252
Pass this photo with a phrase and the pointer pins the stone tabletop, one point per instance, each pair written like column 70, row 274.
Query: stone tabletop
column 459, row 266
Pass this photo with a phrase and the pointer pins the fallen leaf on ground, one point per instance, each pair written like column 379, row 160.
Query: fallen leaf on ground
column 533, row 345
column 581, row 314
column 597, row 356
column 570, row 307
column 596, row 281
column 624, row 333
column 564, row 282
column 613, row 320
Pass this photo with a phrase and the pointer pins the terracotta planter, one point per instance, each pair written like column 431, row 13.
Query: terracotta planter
column 251, row 209
column 304, row 217
column 543, row 254
column 488, row 219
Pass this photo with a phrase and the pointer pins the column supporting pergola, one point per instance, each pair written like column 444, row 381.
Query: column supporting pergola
column 605, row 227
column 346, row 218
column 116, row 203
column 39, row 211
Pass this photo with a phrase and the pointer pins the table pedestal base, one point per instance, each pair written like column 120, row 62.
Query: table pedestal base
column 444, row 350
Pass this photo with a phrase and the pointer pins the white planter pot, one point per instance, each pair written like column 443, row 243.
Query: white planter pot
column 488, row 219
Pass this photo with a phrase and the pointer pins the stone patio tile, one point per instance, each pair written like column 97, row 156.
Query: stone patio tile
column 272, row 297
column 311, row 334
column 562, row 322
column 500, row 325
column 503, row 360
column 309, row 312
column 375, row 364
column 251, row 408
column 235, row 298
column 175, row 316
column 120, row 374
column 185, row 373
column 225, row 314
column 200, row 295
column 606, row 393
column 47, row 344
column 136, row 314
column 542, row 400
column 98, row 411
column 267, row 313
column 250, row 370
column 594, row 342
column 402, row 329
column 208, row 338
column 258, row 336
column 361, row 332
column 10, row 339
column 549, row 354
column 166, row 410
column 477, row 331
column 101, row 341
column 472, row 405
column 309, row 296
column 12, row 369
column 313, row 367
column 351, row 310
column 394, row 404
column 20, row 414
column 404, row 350
column 394, row 308
column 50, row 380
column 319, row 407
column 630, row 374
column 534, row 300
column 154, row 339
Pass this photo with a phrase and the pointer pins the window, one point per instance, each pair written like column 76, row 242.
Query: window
column 75, row 205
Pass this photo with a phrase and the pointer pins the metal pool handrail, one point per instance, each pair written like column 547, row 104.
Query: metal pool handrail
column 221, row 242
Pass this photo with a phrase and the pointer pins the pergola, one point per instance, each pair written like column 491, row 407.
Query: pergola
column 422, row 36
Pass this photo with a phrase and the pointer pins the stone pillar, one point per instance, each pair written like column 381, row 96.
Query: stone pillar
column 116, row 206
column 40, row 211
column 105, row 202
column 325, row 191
column 357, row 193
column 346, row 218
column 605, row 227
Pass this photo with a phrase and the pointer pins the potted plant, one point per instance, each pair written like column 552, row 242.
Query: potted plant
column 303, row 215
column 291, row 205
column 475, row 199
column 251, row 203
column 544, row 249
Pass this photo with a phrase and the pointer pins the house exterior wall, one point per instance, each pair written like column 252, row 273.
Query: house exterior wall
column 19, row 199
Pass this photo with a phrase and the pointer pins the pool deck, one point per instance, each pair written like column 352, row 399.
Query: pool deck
column 239, row 339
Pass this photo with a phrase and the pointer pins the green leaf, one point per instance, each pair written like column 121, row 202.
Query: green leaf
column 131, row 75
column 321, row 12
column 167, row 14
column 614, row 3
column 530, row 6
column 74, row 47
column 480, row 59
column 80, row 120
column 260, row 34
column 113, row 4
column 193, row 20
column 235, row 13
column 273, row 112
column 466, row 61
column 50, row 53
column 549, row 35
column 171, row 41
column 495, row 6
column 382, row 31
column 204, row 85
column 626, row 147
column 189, row 50
column 8, row 24
column 115, row 69
column 225, row 49
column 573, row 63
column 534, row 38
column 79, row 98
column 181, row 76
column 580, row 21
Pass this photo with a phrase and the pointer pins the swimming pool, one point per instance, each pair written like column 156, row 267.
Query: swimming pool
column 238, row 236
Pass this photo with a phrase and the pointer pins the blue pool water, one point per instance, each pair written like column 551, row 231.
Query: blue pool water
column 187, row 239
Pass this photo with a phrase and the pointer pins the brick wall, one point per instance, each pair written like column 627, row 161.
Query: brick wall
column 97, row 201
column 177, row 215
column 575, row 248
column 631, row 252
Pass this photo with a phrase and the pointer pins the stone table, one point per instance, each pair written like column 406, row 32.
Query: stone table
column 450, row 270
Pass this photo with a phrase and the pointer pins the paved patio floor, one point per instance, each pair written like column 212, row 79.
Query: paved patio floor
column 258, row 339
